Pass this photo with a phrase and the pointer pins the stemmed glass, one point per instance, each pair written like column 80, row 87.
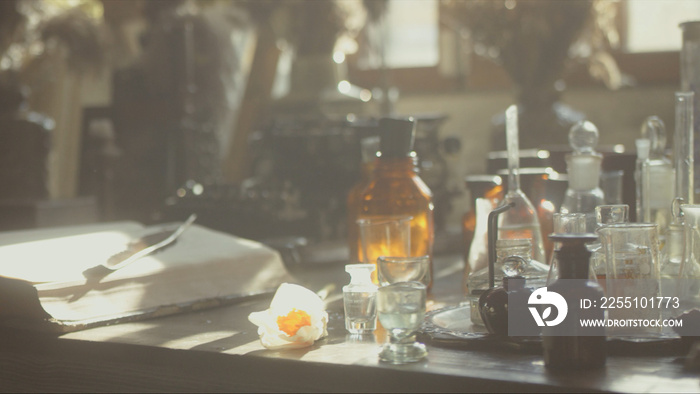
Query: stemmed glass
column 401, row 310
column 393, row 269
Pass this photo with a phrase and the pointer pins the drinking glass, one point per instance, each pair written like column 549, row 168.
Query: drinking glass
column 384, row 236
column 401, row 310
column 564, row 223
column 394, row 269
column 631, row 252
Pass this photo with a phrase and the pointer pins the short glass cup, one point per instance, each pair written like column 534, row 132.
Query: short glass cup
column 394, row 269
column 401, row 311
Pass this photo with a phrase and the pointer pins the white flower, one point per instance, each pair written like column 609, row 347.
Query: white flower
column 296, row 318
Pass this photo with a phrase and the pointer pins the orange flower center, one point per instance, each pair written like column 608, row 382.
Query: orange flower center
column 294, row 320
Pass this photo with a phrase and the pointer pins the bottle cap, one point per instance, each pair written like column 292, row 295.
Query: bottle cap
column 360, row 274
column 396, row 137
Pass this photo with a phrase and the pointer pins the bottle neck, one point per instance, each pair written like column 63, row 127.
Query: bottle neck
column 520, row 251
column 397, row 165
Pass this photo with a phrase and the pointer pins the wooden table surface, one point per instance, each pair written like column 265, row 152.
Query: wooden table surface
column 219, row 350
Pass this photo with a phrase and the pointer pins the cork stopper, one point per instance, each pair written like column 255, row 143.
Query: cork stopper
column 396, row 137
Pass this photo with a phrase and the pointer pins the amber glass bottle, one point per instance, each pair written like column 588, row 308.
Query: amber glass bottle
column 396, row 189
column 369, row 146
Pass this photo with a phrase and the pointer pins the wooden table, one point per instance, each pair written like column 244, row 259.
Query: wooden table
column 219, row 350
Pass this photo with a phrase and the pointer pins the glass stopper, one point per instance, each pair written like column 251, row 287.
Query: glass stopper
column 583, row 137
column 654, row 130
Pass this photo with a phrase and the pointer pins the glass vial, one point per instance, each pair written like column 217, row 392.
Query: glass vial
column 360, row 299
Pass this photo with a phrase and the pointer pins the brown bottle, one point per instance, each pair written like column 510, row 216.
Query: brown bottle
column 396, row 189
column 568, row 346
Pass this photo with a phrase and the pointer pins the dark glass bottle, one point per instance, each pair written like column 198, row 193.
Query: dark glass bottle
column 566, row 345
column 396, row 189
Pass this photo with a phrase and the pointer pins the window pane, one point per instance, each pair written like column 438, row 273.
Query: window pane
column 653, row 24
column 412, row 33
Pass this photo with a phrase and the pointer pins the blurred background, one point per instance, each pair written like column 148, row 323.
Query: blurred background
column 256, row 114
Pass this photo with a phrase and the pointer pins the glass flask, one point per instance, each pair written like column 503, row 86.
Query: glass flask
column 565, row 345
column 583, row 166
column 369, row 146
column 521, row 221
column 690, row 83
column 396, row 189
column 564, row 223
column 657, row 176
column 533, row 182
column 683, row 140
column 533, row 271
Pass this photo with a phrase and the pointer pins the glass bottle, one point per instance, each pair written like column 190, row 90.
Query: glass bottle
column 567, row 345
column 683, row 146
column 369, row 146
column 583, row 167
column 521, row 221
column 658, row 176
column 533, row 271
column 360, row 299
column 396, row 189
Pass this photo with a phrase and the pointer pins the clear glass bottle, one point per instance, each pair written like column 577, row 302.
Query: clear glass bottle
column 583, row 167
column 396, row 189
column 658, row 176
column 369, row 146
column 566, row 345
column 521, row 221
column 533, row 271
column 360, row 299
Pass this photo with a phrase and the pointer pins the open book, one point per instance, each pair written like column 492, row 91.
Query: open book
column 43, row 285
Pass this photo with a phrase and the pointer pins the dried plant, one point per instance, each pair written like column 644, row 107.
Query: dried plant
column 33, row 30
column 534, row 40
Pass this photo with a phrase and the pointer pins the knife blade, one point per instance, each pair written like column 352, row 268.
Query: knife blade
column 139, row 248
